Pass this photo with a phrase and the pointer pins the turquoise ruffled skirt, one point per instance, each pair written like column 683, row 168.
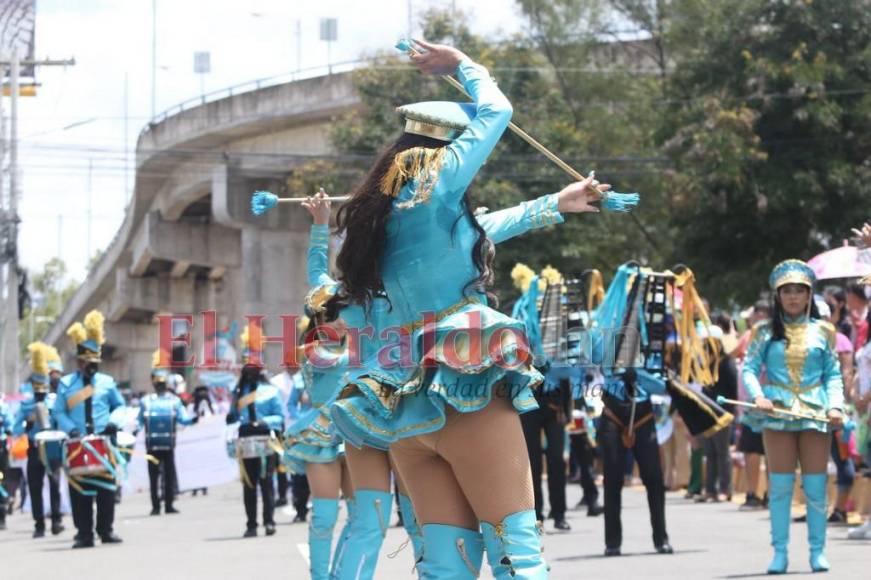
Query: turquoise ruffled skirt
column 311, row 439
column 389, row 404
column 760, row 421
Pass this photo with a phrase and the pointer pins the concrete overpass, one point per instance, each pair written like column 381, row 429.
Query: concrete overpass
column 188, row 242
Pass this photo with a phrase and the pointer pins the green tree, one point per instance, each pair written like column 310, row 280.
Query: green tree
column 768, row 130
column 50, row 292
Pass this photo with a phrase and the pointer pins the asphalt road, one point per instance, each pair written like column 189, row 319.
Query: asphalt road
column 204, row 541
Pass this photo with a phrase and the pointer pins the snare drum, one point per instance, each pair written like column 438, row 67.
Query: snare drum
column 84, row 461
column 159, row 431
column 255, row 446
column 51, row 447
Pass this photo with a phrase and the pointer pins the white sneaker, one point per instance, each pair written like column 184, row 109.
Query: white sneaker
column 863, row 532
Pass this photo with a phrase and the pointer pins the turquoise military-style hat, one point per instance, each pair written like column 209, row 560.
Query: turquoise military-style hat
column 443, row 120
column 792, row 272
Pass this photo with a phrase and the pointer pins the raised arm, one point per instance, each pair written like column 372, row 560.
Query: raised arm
column 319, row 240
column 514, row 221
column 468, row 152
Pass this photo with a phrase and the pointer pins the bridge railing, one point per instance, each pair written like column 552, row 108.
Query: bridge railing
column 253, row 85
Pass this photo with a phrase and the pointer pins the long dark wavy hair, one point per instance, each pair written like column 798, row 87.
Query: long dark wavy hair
column 363, row 221
column 778, row 331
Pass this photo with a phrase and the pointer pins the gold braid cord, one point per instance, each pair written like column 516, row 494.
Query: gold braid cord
column 695, row 365
column 596, row 291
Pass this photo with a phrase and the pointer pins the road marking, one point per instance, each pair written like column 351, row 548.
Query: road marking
column 303, row 551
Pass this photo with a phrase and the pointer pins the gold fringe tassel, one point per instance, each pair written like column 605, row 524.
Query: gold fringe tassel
column 419, row 163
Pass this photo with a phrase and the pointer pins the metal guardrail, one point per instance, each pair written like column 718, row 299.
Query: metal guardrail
column 254, row 85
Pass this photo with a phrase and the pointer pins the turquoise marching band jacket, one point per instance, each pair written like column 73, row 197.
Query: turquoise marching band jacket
column 803, row 373
column 106, row 398
column 267, row 406
column 163, row 404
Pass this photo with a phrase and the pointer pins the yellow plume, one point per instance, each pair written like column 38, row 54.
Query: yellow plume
column 522, row 276
column 155, row 359
column 52, row 354
column 94, row 325
column 302, row 323
column 596, row 291
column 77, row 333
column 38, row 357
column 244, row 338
column 549, row 275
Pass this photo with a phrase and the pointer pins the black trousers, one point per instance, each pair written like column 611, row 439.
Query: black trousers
column 646, row 453
column 583, row 454
column 282, row 483
column 300, row 491
column 534, row 422
column 166, row 458
column 267, row 491
column 36, row 473
column 83, row 510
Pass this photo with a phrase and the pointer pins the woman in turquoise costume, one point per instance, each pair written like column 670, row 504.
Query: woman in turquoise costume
column 366, row 456
column 795, row 352
column 312, row 445
column 453, row 427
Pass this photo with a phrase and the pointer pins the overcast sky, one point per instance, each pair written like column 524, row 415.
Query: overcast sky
column 78, row 117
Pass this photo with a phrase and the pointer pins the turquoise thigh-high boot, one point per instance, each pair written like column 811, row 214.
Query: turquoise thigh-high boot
column 370, row 523
column 450, row 552
column 343, row 535
column 780, row 487
column 325, row 512
column 514, row 547
column 409, row 521
column 814, row 485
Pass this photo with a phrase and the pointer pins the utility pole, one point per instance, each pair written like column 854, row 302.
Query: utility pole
column 126, row 141
column 153, row 58
column 9, row 327
column 90, row 199
column 10, row 254
column 298, row 44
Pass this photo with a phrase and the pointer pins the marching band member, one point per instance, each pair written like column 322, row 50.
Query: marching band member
column 85, row 400
column 796, row 352
column 36, row 414
column 6, row 423
column 554, row 399
column 407, row 222
column 627, row 422
column 369, row 464
column 159, row 413
column 298, row 404
column 256, row 406
column 312, row 442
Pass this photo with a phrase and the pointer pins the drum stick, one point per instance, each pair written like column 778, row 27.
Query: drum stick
column 721, row 399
